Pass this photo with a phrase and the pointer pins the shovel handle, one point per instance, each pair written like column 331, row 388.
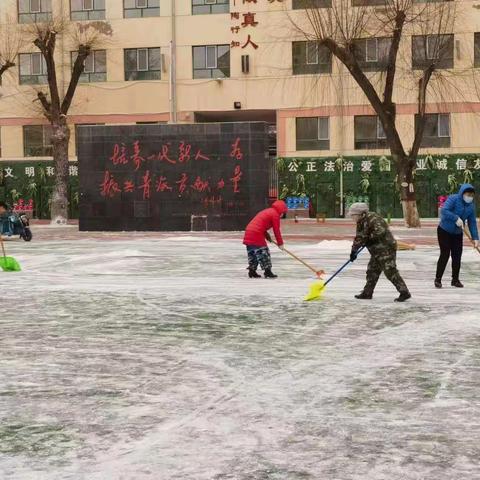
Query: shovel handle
column 316, row 272
column 467, row 233
column 3, row 247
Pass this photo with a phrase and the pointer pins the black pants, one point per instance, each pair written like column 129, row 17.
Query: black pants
column 450, row 244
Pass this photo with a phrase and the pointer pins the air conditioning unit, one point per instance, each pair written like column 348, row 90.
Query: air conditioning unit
column 245, row 63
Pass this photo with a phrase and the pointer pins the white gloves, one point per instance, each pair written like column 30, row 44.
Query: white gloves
column 281, row 247
column 459, row 222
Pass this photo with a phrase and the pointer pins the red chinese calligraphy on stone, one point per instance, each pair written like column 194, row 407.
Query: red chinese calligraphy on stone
column 184, row 152
column 119, row 156
column 182, row 183
column 236, row 150
column 235, row 29
column 136, row 157
column 221, row 184
column 250, row 42
column 145, row 186
column 249, row 20
column 128, row 186
column 234, row 15
column 200, row 156
column 200, row 185
column 237, row 175
column 234, row 44
column 163, row 155
column 109, row 187
column 161, row 185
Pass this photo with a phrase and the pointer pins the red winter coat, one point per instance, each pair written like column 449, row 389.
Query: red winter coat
column 264, row 221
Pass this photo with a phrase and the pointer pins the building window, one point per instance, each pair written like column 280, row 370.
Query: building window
column 37, row 141
column 34, row 11
column 141, row 8
column 200, row 7
column 33, row 69
column 313, row 133
column 310, row 57
column 95, row 66
column 302, row 4
column 432, row 50
column 211, row 61
column 367, row 3
column 142, row 64
column 437, row 130
column 87, row 9
column 369, row 133
column 476, row 45
column 372, row 53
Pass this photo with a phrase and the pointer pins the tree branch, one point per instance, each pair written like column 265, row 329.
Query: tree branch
column 422, row 104
column 8, row 64
column 45, row 104
column 392, row 57
column 78, row 68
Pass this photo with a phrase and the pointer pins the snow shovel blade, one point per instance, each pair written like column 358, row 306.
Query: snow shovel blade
column 316, row 290
column 9, row 264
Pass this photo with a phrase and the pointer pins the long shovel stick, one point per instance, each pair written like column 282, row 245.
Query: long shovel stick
column 340, row 269
column 467, row 233
column 318, row 273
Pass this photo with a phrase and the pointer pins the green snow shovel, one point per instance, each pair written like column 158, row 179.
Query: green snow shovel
column 8, row 264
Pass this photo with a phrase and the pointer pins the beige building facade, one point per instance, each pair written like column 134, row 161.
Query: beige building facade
column 234, row 60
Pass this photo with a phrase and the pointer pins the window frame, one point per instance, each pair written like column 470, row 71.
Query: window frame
column 439, row 140
column 148, row 70
column 377, row 143
column 92, row 14
column 217, row 57
column 47, row 149
column 211, row 6
column 312, row 144
column 35, row 78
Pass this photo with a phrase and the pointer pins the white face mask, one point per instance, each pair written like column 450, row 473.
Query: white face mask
column 467, row 199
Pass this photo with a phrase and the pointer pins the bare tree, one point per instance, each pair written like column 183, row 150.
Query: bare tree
column 82, row 38
column 10, row 45
column 417, row 46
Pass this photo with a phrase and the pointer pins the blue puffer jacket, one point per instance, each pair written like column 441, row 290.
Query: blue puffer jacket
column 454, row 208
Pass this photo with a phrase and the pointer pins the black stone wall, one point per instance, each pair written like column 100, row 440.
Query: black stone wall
column 210, row 176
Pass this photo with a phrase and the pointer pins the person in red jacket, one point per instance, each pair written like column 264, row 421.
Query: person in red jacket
column 256, row 236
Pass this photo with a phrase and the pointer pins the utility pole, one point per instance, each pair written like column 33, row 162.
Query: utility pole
column 173, row 68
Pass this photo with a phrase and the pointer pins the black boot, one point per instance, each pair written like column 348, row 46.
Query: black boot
column 457, row 283
column 364, row 296
column 403, row 297
column 269, row 274
column 438, row 283
column 253, row 273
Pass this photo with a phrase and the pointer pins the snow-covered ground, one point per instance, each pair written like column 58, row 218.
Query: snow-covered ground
column 158, row 359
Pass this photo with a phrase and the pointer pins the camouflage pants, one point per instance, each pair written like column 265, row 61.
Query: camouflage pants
column 385, row 262
column 258, row 255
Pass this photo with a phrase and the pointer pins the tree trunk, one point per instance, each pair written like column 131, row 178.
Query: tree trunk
column 59, row 205
column 408, row 195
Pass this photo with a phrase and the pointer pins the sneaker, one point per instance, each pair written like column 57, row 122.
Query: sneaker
column 364, row 296
column 269, row 274
column 404, row 296
column 438, row 283
column 253, row 274
column 457, row 283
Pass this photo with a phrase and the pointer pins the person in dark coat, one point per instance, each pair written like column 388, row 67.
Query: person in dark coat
column 457, row 210
column 256, row 236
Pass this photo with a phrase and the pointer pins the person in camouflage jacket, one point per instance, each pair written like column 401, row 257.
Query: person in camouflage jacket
column 374, row 234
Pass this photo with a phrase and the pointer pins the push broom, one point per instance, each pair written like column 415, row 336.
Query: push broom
column 8, row 264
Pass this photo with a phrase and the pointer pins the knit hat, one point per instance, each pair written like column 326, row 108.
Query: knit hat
column 357, row 208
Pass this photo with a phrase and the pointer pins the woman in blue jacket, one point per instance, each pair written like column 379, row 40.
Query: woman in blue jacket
column 458, row 209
